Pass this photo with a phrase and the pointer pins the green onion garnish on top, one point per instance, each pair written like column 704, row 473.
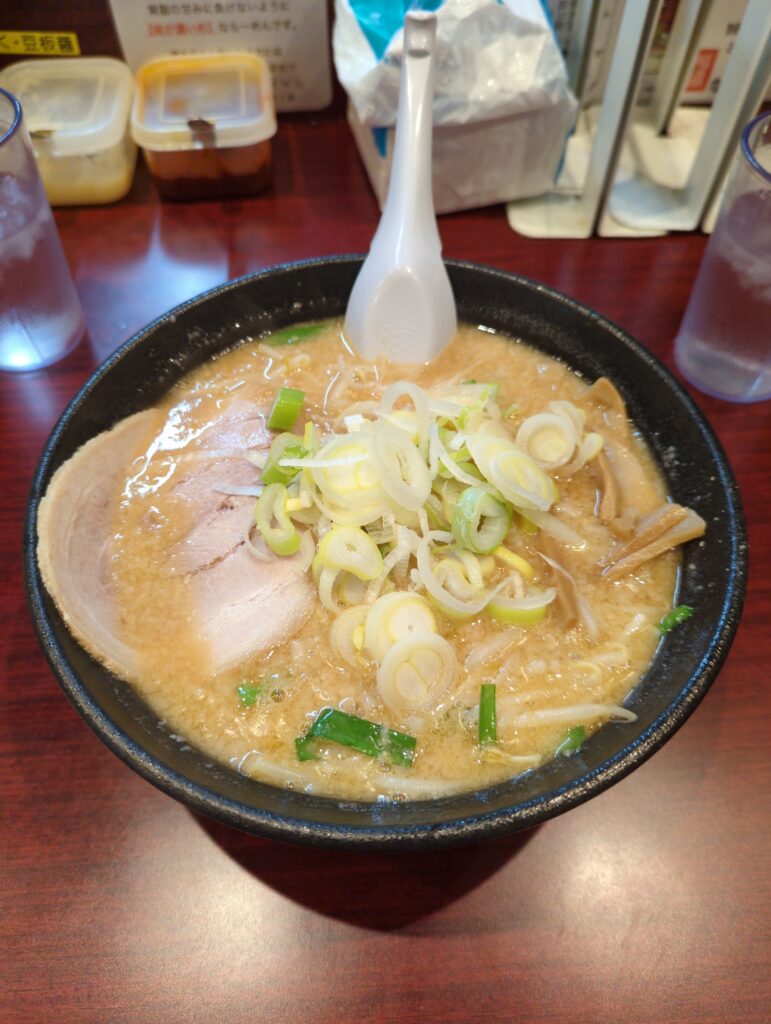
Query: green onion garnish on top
column 488, row 729
column 479, row 521
column 674, row 618
column 286, row 408
column 573, row 741
column 248, row 694
column 272, row 520
column 283, row 446
column 358, row 734
column 291, row 335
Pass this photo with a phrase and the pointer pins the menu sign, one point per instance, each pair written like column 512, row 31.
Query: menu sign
column 292, row 36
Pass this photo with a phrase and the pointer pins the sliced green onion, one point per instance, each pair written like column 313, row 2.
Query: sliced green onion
column 347, row 477
column 291, row 335
column 549, row 438
column 448, row 492
column 286, row 408
column 416, row 673
column 284, row 446
column 357, row 733
column 393, row 617
column 310, row 437
column 435, row 513
column 463, row 462
column 350, row 549
column 488, row 731
column 248, row 694
column 573, row 741
column 474, row 399
column 512, row 472
column 479, row 521
column 521, row 611
column 402, row 472
column 515, row 561
column 675, row 618
column 282, row 538
column 347, row 634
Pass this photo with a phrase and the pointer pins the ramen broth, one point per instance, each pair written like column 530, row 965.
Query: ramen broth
column 535, row 668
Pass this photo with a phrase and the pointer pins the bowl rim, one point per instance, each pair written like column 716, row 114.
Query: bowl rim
column 461, row 830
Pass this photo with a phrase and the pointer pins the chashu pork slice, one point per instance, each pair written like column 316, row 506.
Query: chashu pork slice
column 244, row 605
column 75, row 524
column 219, row 518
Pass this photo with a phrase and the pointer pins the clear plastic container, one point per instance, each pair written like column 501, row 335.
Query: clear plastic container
column 77, row 114
column 205, row 123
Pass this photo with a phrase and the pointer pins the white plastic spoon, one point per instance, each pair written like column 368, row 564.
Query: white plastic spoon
column 402, row 305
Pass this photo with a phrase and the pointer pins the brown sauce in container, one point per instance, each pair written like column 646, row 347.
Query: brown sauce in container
column 212, row 173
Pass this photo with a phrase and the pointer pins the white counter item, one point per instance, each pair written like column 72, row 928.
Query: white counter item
column 77, row 114
column 502, row 106
column 205, row 123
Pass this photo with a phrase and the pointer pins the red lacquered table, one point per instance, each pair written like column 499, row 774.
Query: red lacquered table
column 649, row 903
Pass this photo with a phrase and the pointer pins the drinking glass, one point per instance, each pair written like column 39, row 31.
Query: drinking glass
column 724, row 343
column 41, row 318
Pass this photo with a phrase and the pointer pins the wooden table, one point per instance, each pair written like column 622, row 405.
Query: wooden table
column 649, row 903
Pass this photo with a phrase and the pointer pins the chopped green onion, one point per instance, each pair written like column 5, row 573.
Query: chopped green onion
column 286, row 408
column 435, row 513
column 674, row 618
column 462, row 460
column 479, row 521
column 521, row 611
column 573, row 741
column 350, row 549
column 291, row 335
column 304, row 748
column 358, row 734
column 248, row 694
column 284, row 446
column 283, row 538
column 310, row 437
column 515, row 561
column 488, row 731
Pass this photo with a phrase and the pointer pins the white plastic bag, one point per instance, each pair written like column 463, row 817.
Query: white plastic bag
column 502, row 107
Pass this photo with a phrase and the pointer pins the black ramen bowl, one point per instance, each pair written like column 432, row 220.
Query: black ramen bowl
column 684, row 666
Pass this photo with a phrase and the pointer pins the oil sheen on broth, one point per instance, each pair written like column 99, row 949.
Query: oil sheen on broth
column 544, row 666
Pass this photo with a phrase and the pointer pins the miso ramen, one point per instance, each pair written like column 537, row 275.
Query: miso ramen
column 370, row 580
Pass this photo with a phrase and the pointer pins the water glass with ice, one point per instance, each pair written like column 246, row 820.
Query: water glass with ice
column 724, row 343
column 41, row 318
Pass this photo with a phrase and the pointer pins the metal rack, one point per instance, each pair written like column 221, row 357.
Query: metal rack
column 634, row 170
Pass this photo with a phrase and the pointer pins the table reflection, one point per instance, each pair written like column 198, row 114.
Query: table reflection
column 170, row 257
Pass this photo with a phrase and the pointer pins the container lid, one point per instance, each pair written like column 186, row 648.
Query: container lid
column 80, row 105
column 203, row 100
